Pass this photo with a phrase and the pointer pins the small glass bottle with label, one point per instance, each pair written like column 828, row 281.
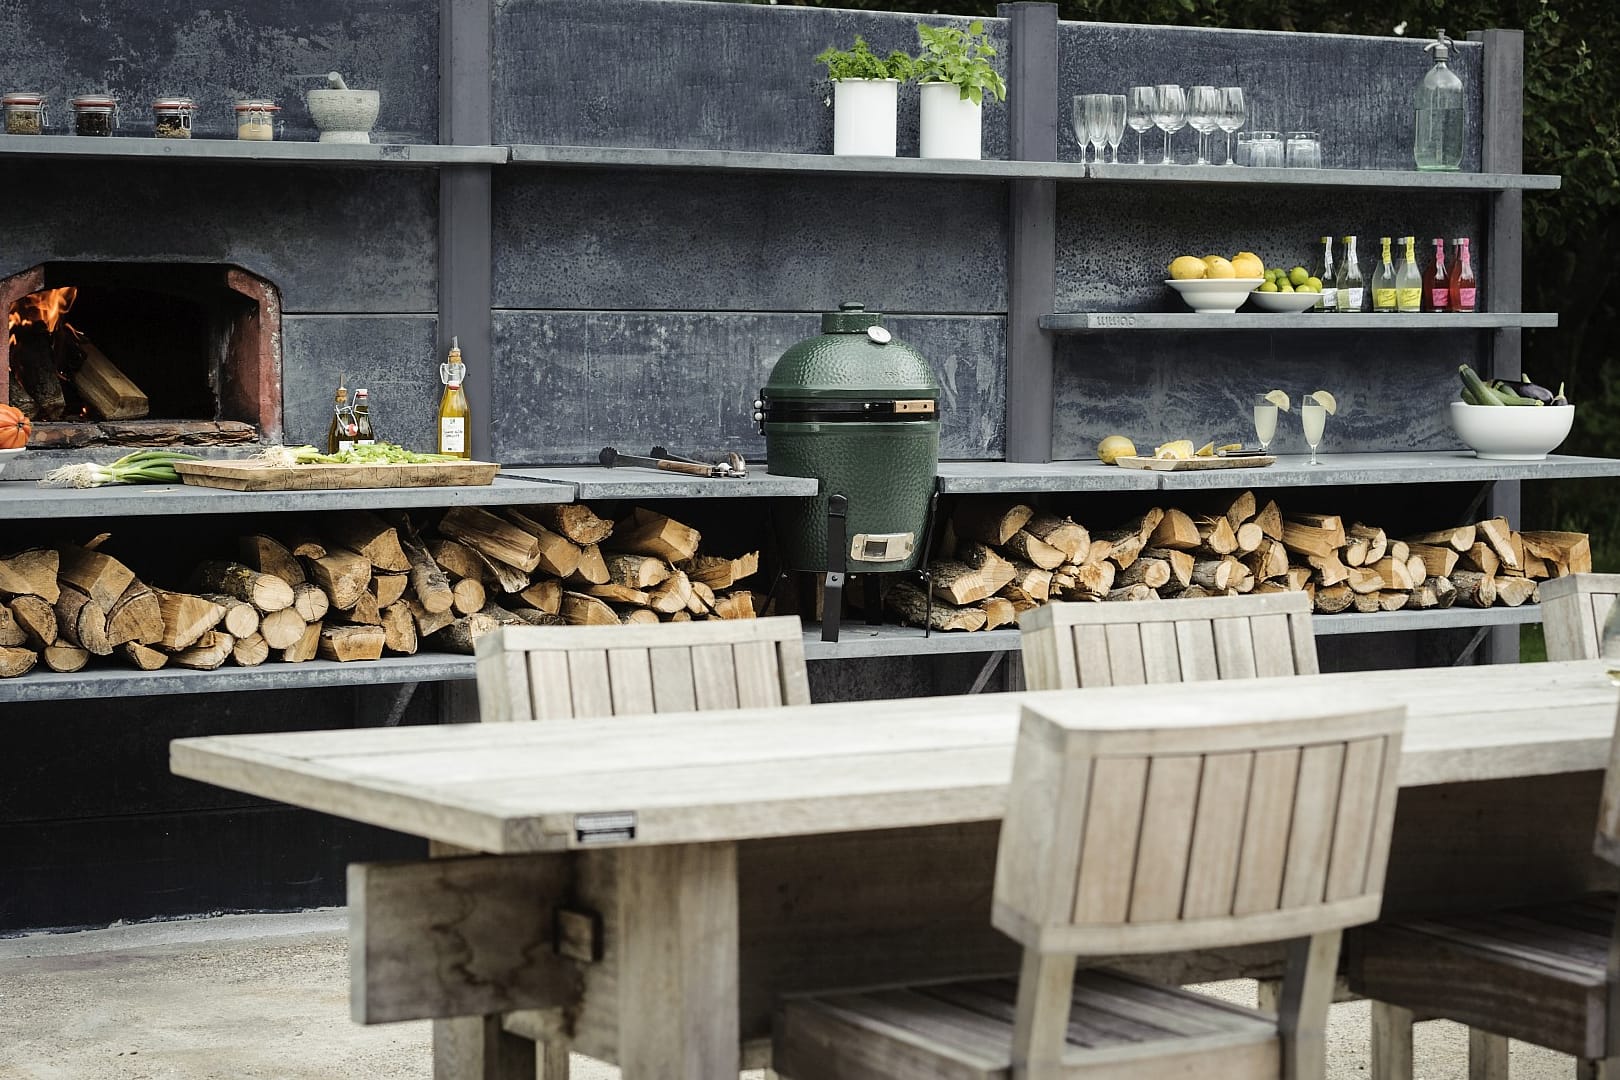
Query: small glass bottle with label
column 1463, row 286
column 340, row 435
column 1383, row 281
column 1349, row 286
column 1408, row 279
column 453, row 412
column 363, row 433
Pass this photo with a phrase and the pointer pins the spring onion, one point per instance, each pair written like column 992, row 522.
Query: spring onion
column 141, row 467
column 378, row 453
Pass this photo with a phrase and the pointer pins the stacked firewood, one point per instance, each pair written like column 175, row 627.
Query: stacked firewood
column 366, row 586
column 1000, row 558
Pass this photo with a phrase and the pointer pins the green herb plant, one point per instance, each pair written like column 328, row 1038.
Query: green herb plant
column 962, row 57
column 860, row 62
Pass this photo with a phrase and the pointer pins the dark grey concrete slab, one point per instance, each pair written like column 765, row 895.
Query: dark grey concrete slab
column 259, row 153
column 1355, row 91
column 703, row 76
column 225, row 50
column 392, row 356
column 1348, row 470
column 1007, row 477
column 1128, row 172
column 111, row 682
column 744, row 161
column 567, row 384
column 333, row 240
column 687, row 242
column 1087, row 322
column 595, row 482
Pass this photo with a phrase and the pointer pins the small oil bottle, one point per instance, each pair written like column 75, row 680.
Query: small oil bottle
column 453, row 412
column 363, row 433
column 340, row 435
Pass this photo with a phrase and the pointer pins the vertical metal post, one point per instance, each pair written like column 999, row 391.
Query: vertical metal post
column 1032, row 96
column 466, row 112
column 1502, row 130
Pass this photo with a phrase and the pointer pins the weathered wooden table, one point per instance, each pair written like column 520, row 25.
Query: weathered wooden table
column 655, row 883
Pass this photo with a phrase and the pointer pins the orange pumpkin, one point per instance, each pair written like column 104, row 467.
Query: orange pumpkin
column 14, row 428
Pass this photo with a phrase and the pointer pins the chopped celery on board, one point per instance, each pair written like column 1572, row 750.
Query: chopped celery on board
column 378, row 453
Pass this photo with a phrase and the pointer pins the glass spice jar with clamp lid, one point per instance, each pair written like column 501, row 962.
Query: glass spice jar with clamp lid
column 256, row 120
column 25, row 113
column 171, row 117
column 95, row 115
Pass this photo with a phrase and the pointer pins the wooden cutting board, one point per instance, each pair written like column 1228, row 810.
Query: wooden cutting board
column 258, row 476
column 1195, row 464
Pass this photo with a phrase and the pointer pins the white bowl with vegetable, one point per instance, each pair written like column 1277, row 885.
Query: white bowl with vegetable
column 1512, row 432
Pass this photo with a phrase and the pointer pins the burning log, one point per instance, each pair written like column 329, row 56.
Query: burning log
column 109, row 393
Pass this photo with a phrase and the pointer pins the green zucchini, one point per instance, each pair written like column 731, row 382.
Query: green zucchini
column 1471, row 381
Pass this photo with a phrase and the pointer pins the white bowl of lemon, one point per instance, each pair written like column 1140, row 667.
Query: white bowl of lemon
column 1213, row 285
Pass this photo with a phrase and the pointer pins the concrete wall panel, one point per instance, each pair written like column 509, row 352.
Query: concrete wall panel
column 391, row 356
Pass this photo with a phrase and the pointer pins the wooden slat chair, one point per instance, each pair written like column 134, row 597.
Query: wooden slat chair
column 1572, row 613
column 1143, row 841
column 558, row 672
column 1548, row 974
column 1239, row 637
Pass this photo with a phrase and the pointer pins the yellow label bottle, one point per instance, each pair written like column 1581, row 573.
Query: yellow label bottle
column 454, row 415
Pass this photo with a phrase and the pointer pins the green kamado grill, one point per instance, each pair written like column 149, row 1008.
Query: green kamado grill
column 858, row 411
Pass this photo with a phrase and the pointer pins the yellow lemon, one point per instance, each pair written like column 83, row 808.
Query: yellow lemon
column 1218, row 267
column 1278, row 398
column 1188, row 268
column 1179, row 450
column 1248, row 265
column 1115, row 447
column 1327, row 401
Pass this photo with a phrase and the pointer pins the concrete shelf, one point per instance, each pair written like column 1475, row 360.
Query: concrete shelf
column 624, row 157
column 596, row 482
column 264, row 153
column 1126, row 172
column 1083, row 322
column 1005, row 477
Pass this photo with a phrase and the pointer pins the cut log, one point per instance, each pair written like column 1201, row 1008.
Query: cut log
column 110, row 393
column 15, row 661
column 342, row 575
column 987, row 560
column 1422, row 598
column 1020, row 601
column 1377, row 540
column 1174, row 531
column 1516, row 540
column 643, row 571
column 137, row 616
column 1270, row 520
column 100, row 577
column 429, row 622
column 1355, row 552
column 633, row 616
column 1499, row 535
column 143, row 657
column 11, row 634
column 1474, row 589
column 673, row 594
column 1535, row 567
column 741, row 605
column 468, row 596
column 1444, row 590
column 958, row 583
column 368, row 535
column 1399, row 550
column 1126, row 543
column 307, row 647
column 579, row 609
column 208, row 652
column 990, row 521
column 911, row 604
column 1249, row 537
column 303, row 543
column 1313, row 534
column 1365, row 603
column 1298, row 579
column 702, row 597
column 389, row 588
column 497, row 539
column 536, row 617
column 646, row 532
column 63, row 658
column 1390, row 600
column 1394, row 574
column 1332, row 599
column 310, row 602
column 1240, row 509
column 37, row 619
column 618, row 594
column 399, row 629
column 509, row 580
column 1153, row 573
column 1460, row 538
column 250, row 651
column 576, row 521
column 1062, row 533
column 1481, row 558
column 1132, row 593
column 1030, row 581
column 1514, row 591
column 1218, row 573
column 345, row 643
column 1030, row 548
column 267, row 555
column 591, row 569
column 998, row 612
column 31, row 573
column 1363, row 579
column 546, row 594
column 1416, row 569
column 282, row 629
column 1093, row 580
column 81, row 622
column 1244, row 582
column 1268, row 561
column 365, row 612
column 241, row 618
column 457, row 559
column 1328, row 569
column 1437, row 561
column 33, row 363
column 1181, row 562
column 428, row 581
column 1215, row 536
column 263, row 591
column 1569, row 552
column 557, row 554
column 1100, row 550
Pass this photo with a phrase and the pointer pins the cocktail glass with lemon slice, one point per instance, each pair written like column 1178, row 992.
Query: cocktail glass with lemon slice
column 1266, row 407
column 1313, row 413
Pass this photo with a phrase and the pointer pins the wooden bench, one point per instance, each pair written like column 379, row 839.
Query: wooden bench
column 1572, row 613
column 1143, row 841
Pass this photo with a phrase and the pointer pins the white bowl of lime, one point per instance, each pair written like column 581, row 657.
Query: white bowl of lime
column 1284, row 301
column 1214, row 296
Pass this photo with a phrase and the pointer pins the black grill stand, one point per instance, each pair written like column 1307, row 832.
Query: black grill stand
column 832, row 588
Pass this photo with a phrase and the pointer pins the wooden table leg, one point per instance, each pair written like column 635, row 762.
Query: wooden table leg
column 677, row 974
column 475, row 1048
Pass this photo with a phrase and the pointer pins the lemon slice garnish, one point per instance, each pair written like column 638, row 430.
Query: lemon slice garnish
column 1279, row 398
column 1179, row 450
column 1207, row 450
column 1326, row 400
column 1228, row 448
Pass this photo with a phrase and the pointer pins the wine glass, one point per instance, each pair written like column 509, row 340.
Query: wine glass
column 1203, row 110
column 1139, row 105
column 1116, row 123
column 1234, row 113
column 1265, row 421
column 1169, row 113
column 1313, row 417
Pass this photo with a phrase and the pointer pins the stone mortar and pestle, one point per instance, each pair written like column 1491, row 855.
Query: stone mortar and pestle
column 341, row 114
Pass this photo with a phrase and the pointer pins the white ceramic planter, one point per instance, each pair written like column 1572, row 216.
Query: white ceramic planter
column 951, row 126
column 865, row 115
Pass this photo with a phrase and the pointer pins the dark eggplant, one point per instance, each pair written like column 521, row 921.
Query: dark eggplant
column 1532, row 390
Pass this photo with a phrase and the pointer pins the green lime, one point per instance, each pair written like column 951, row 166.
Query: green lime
column 1285, row 287
column 1298, row 275
column 1270, row 286
column 1315, row 283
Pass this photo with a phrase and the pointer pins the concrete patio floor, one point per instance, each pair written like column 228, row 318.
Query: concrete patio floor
column 266, row 996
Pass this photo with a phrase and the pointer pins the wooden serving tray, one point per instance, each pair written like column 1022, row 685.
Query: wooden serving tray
column 1195, row 464
column 259, row 476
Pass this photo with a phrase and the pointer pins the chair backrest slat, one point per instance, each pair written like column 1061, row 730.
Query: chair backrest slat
column 1125, row 644
column 1121, row 841
column 543, row 673
column 1572, row 613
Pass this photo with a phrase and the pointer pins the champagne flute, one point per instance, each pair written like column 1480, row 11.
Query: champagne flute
column 1234, row 113
column 1313, row 417
column 1169, row 113
column 1078, row 118
column 1139, row 115
column 1116, row 124
column 1265, row 421
column 1203, row 110
column 1097, row 124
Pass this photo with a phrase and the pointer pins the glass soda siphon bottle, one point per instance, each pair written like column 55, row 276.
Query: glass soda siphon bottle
column 453, row 411
column 1437, row 138
column 1328, row 298
column 1462, row 287
column 1437, row 285
column 1383, row 282
column 1408, row 279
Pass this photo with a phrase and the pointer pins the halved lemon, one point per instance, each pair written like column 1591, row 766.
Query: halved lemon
column 1179, row 450
column 1326, row 400
column 1278, row 398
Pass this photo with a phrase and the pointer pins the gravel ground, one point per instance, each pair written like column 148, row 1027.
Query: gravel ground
column 251, row 997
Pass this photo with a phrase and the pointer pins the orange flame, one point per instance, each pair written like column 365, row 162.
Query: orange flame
column 46, row 307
